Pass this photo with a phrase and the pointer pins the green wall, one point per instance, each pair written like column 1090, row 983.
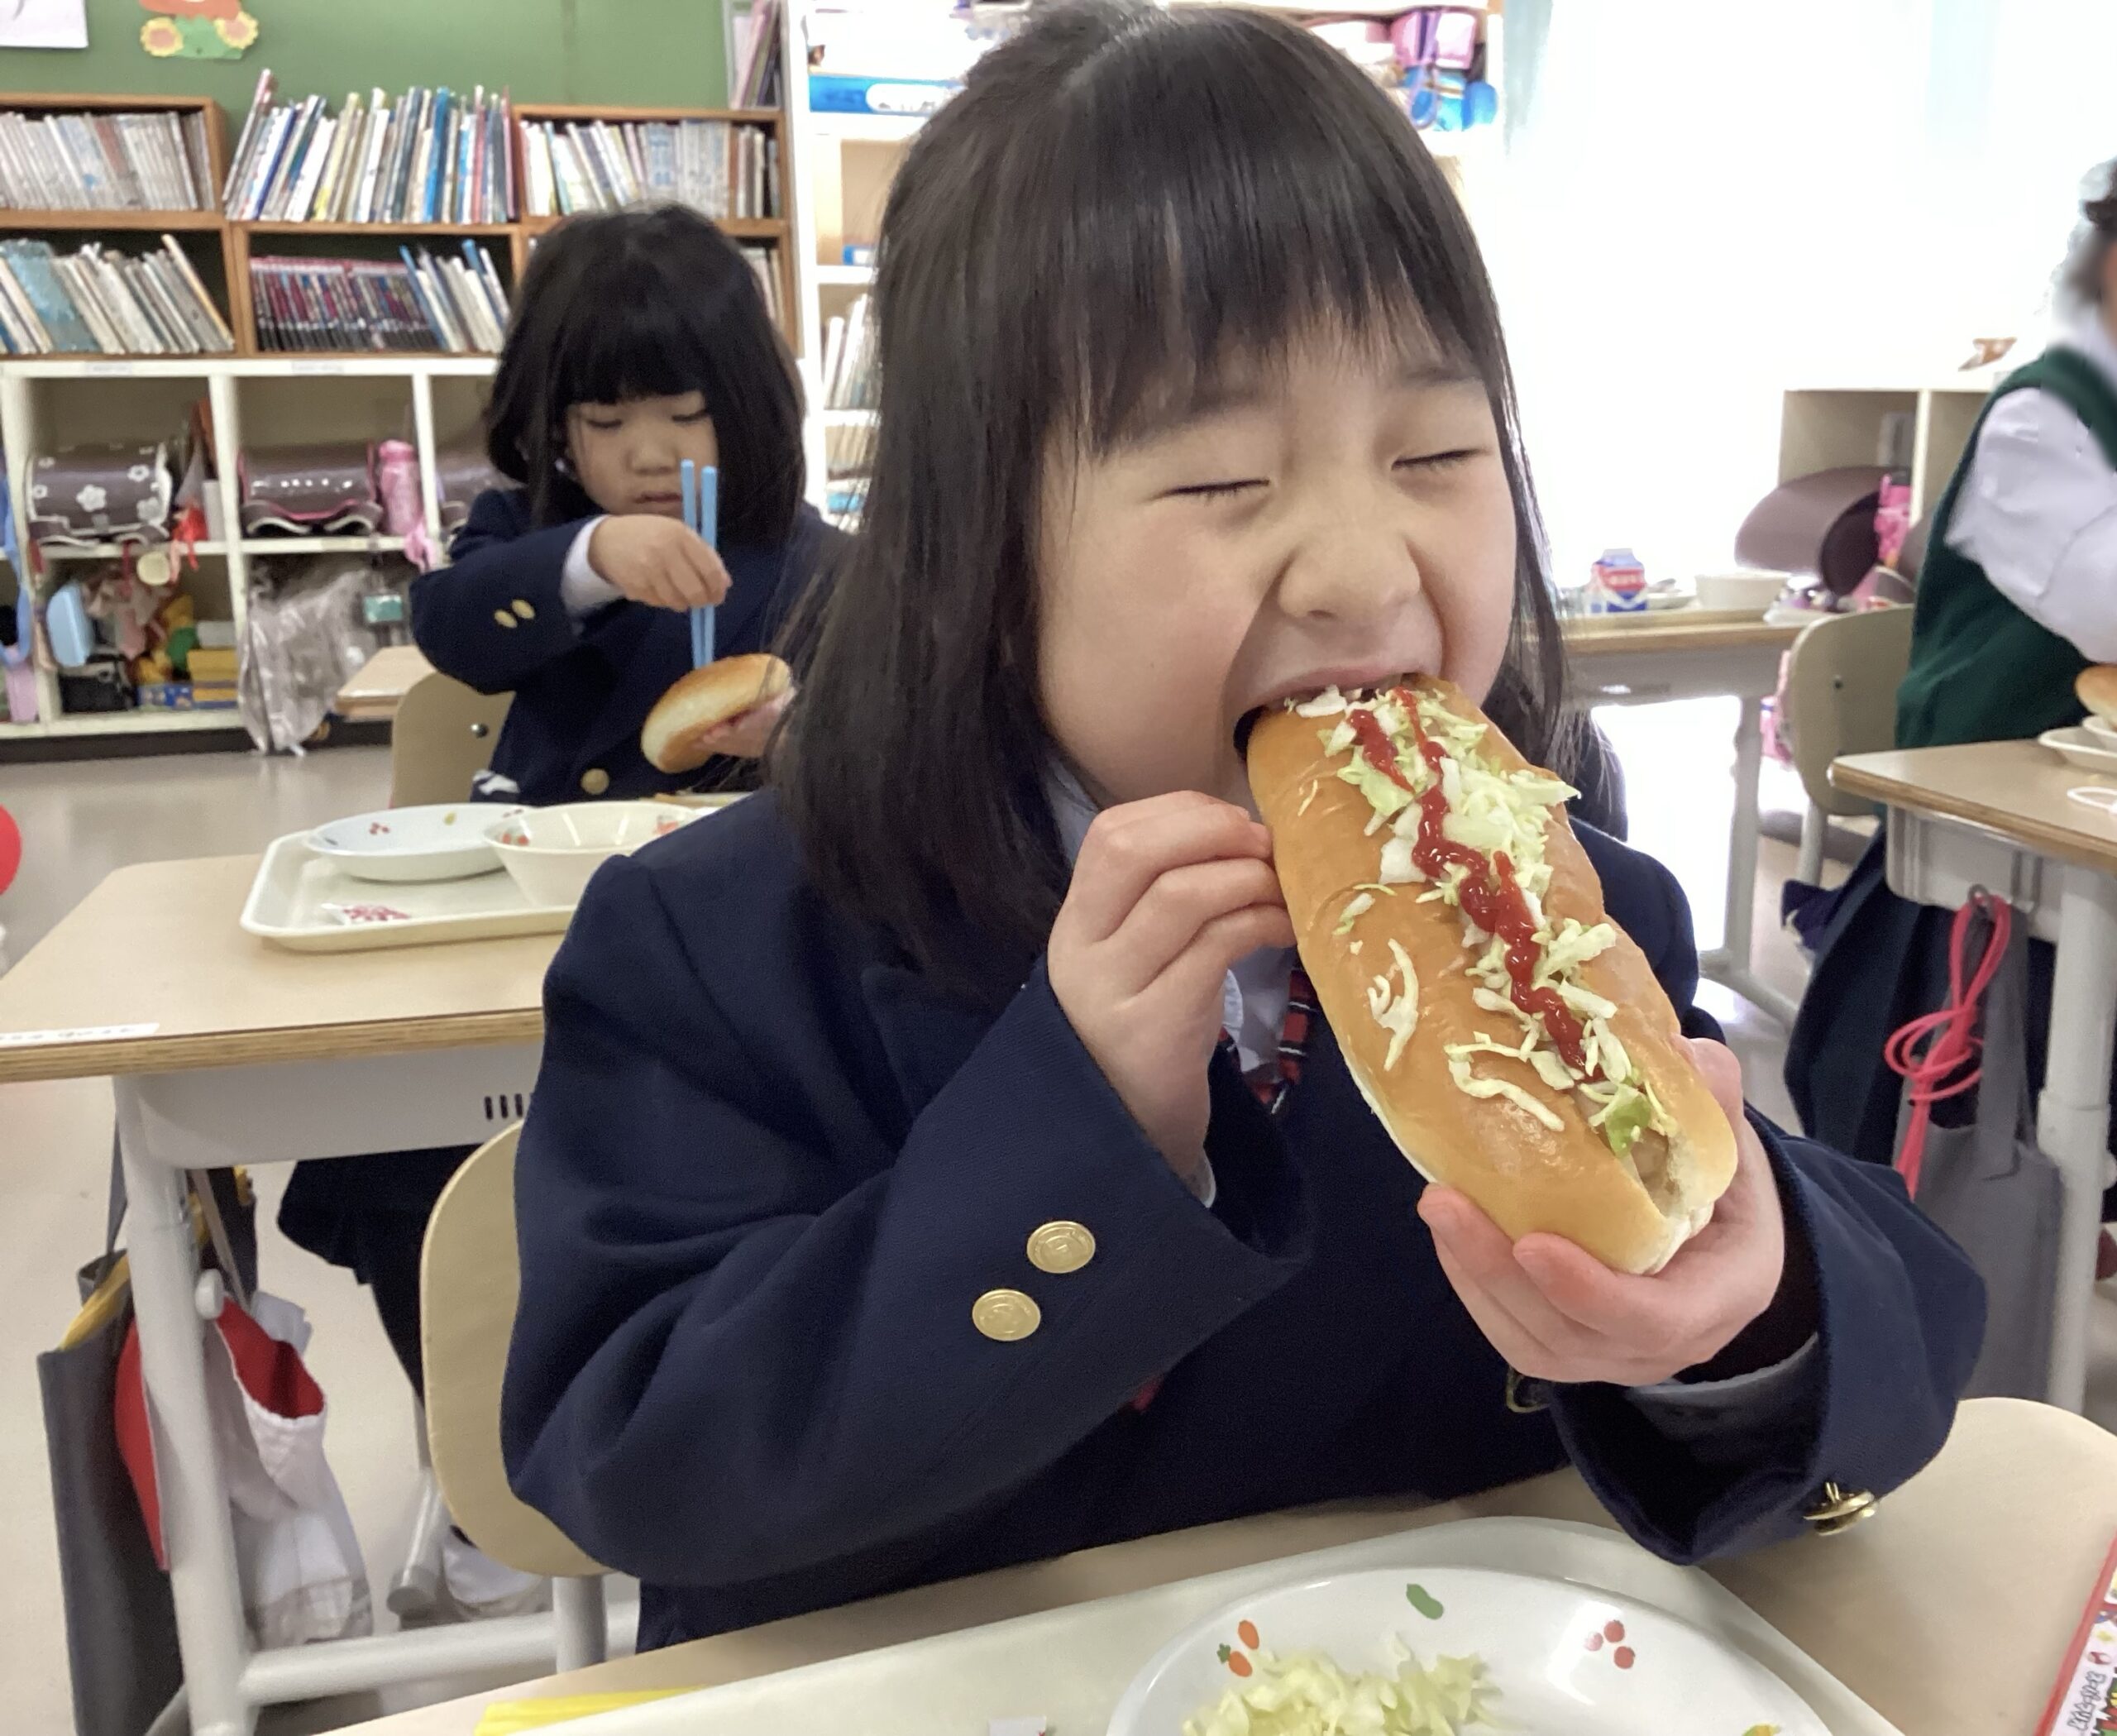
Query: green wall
column 616, row 52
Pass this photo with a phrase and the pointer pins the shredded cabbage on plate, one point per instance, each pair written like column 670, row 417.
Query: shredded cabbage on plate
column 1308, row 1694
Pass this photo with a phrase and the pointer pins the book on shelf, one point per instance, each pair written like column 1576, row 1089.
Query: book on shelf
column 757, row 83
column 417, row 301
column 721, row 169
column 849, row 359
column 430, row 156
column 764, row 264
column 99, row 300
column 154, row 161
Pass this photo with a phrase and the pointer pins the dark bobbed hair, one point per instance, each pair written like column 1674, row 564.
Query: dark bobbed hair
column 1122, row 202
column 647, row 304
column 2091, row 246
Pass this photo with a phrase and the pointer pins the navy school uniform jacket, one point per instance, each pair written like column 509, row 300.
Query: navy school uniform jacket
column 494, row 619
column 768, row 1171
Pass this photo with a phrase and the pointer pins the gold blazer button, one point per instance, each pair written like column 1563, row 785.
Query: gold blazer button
column 1005, row 1315
column 1061, row 1247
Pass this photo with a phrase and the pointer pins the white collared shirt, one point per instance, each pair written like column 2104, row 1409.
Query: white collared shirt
column 2038, row 509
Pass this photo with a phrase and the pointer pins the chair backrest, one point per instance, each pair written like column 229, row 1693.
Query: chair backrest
column 470, row 1279
column 1840, row 696
column 442, row 737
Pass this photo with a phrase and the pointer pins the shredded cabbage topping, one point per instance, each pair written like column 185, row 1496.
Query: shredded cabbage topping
column 1308, row 1694
column 1491, row 812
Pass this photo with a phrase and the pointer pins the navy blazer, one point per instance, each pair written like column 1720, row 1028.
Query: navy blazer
column 768, row 1170
column 494, row 619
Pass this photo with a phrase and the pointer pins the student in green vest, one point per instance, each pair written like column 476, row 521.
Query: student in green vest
column 2017, row 593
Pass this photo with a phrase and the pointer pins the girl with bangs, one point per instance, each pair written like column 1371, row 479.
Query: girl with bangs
column 931, row 1168
column 639, row 340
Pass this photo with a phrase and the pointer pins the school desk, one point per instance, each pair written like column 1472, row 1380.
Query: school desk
column 1948, row 1612
column 2000, row 814
column 225, row 1050
column 1645, row 659
column 374, row 694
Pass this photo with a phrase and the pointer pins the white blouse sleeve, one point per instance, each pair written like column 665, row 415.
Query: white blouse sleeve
column 2038, row 513
column 581, row 589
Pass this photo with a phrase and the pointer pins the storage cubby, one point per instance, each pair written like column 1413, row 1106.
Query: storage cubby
column 49, row 403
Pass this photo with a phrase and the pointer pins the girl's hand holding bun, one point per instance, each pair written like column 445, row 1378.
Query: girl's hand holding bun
column 660, row 562
column 1167, row 895
column 1557, row 1314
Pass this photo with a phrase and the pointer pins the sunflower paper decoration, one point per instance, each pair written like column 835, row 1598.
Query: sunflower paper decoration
column 197, row 29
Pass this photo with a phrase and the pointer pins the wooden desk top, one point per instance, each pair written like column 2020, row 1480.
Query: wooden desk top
column 1948, row 1612
column 1601, row 635
column 374, row 694
column 2013, row 787
column 157, row 945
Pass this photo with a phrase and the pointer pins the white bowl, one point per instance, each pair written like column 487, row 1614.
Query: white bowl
column 2103, row 727
column 2078, row 748
column 554, row 852
column 444, row 842
column 1751, row 592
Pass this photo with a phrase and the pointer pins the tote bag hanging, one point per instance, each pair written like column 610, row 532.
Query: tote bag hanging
column 1985, row 1181
column 121, row 1624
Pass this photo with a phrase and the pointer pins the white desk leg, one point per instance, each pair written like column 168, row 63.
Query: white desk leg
column 1730, row 961
column 195, row 1523
column 2072, row 1118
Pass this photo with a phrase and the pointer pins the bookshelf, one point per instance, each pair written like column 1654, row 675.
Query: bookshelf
column 224, row 248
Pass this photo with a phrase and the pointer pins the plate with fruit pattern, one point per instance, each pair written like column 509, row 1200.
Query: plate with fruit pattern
column 445, row 841
column 1453, row 1651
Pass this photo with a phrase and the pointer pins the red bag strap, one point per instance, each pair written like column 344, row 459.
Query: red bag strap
column 1952, row 1045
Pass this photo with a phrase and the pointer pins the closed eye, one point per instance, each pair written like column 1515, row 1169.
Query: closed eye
column 1218, row 490
column 1441, row 461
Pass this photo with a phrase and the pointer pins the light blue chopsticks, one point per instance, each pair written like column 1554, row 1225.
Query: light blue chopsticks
column 701, row 489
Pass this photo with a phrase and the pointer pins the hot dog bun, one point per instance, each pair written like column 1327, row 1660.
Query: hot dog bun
column 2097, row 688
column 1633, row 1211
column 673, row 737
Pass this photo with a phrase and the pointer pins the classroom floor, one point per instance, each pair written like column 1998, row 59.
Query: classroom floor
column 82, row 821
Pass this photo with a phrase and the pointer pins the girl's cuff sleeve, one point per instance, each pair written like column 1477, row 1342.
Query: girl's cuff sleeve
column 1720, row 1422
column 581, row 589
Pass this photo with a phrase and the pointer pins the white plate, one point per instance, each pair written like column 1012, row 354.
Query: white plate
column 2077, row 748
column 444, row 842
column 1566, row 1661
column 308, row 903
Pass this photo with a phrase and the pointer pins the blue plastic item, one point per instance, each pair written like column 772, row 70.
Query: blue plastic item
column 66, row 624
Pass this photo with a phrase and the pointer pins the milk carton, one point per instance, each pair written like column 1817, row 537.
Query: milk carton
column 1617, row 583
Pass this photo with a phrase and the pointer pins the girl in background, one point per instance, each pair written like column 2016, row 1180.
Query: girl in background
column 894, row 1204
column 2017, row 594
column 639, row 339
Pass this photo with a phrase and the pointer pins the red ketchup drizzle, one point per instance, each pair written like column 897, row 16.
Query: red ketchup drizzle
column 1488, row 893
column 1375, row 743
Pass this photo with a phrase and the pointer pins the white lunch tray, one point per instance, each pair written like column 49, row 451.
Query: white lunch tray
column 288, row 899
column 1072, row 1666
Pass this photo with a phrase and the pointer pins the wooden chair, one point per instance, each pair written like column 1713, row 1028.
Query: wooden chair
column 442, row 737
column 470, row 1279
column 1841, row 698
